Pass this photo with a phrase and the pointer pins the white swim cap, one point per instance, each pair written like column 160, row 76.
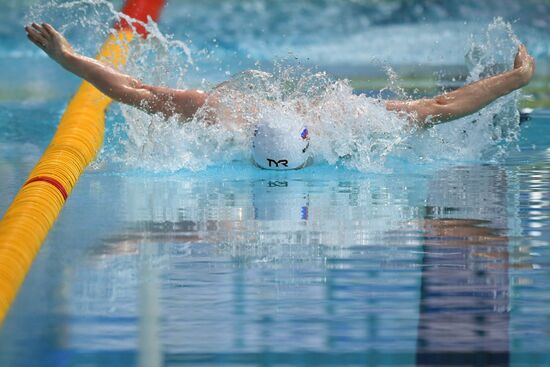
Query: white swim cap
column 280, row 147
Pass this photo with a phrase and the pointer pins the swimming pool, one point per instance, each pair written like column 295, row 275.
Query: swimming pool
column 422, row 262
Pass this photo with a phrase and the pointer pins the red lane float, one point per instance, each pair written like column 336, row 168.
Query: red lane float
column 140, row 10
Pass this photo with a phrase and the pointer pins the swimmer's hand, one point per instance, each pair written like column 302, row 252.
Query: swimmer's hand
column 524, row 65
column 50, row 41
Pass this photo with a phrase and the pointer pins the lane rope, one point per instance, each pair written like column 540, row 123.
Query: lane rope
column 78, row 139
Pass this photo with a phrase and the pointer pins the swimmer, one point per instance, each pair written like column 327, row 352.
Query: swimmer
column 185, row 103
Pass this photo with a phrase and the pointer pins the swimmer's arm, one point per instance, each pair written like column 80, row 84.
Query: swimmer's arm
column 125, row 89
column 470, row 98
column 120, row 87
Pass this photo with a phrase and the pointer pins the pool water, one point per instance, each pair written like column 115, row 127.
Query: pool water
column 235, row 265
column 424, row 262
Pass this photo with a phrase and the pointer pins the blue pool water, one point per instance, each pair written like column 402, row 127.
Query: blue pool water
column 420, row 256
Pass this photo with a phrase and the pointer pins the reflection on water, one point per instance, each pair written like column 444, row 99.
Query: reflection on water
column 422, row 269
column 464, row 300
column 464, row 297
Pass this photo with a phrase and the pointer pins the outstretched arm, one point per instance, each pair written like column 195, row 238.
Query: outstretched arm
column 470, row 98
column 111, row 82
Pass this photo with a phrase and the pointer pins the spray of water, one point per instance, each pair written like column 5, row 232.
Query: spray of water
column 346, row 129
column 490, row 133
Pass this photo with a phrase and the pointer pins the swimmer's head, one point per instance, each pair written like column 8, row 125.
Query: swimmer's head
column 280, row 146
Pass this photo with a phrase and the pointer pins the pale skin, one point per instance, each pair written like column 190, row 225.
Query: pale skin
column 185, row 103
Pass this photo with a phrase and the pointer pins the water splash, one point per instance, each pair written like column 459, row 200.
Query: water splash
column 352, row 130
column 488, row 134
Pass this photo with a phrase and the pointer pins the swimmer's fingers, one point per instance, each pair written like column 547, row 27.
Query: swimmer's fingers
column 36, row 37
column 523, row 59
column 41, row 30
column 37, row 43
column 34, row 34
column 525, row 64
column 53, row 34
column 49, row 30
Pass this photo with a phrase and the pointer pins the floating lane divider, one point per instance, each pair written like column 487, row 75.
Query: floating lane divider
column 79, row 137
